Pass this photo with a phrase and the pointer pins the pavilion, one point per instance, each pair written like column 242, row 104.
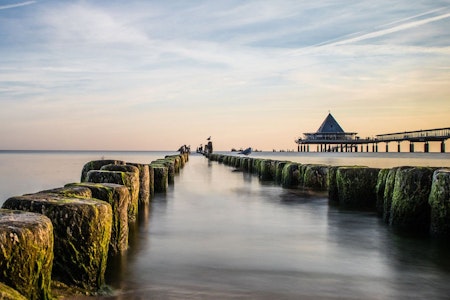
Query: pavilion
column 329, row 133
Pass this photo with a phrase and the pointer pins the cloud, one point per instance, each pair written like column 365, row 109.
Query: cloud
column 379, row 33
column 16, row 5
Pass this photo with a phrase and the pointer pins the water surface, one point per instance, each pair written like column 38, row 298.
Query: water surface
column 221, row 234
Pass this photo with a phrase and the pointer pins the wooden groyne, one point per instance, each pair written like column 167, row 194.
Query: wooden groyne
column 60, row 239
column 409, row 199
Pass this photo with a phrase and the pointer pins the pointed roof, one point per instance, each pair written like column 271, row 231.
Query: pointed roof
column 330, row 125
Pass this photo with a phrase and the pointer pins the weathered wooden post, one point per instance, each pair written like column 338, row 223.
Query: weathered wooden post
column 290, row 177
column 128, row 179
column 314, row 177
column 410, row 210
column 26, row 256
column 161, row 181
column 356, row 187
column 439, row 201
column 82, row 231
column 96, row 165
column 379, row 189
column 118, row 196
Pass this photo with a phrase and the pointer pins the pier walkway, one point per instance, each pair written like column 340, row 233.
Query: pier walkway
column 332, row 138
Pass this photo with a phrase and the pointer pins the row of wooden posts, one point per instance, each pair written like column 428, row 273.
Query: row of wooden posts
column 61, row 238
column 410, row 199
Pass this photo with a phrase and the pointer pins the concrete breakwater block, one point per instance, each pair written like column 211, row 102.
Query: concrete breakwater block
column 410, row 210
column 161, row 180
column 439, row 201
column 82, row 231
column 118, row 197
column 96, row 165
column 128, row 179
column 356, row 187
column 26, row 255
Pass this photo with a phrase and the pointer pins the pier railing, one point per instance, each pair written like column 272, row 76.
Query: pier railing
column 438, row 134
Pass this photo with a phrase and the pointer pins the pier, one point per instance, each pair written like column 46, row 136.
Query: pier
column 330, row 137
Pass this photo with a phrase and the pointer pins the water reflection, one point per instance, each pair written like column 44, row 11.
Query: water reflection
column 222, row 234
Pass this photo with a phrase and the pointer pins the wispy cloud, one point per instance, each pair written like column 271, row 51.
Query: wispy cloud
column 16, row 5
column 359, row 36
column 217, row 62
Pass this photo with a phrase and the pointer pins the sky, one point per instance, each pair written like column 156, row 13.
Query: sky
column 154, row 75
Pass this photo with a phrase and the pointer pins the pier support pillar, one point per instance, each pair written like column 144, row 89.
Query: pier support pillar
column 398, row 147
column 443, row 147
column 426, row 147
column 411, row 147
column 387, row 147
column 307, row 148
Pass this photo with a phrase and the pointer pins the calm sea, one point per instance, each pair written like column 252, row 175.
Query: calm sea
column 220, row 234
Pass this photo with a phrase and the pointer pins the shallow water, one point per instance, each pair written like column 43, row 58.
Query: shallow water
column 220, row 234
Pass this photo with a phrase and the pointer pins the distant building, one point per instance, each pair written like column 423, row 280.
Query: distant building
column 330, row 130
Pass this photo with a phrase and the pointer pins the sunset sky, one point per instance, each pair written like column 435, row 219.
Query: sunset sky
column 153, row 75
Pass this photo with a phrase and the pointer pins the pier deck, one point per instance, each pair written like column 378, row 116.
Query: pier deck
column 337, row 144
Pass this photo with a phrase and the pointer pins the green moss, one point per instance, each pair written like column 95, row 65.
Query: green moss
column 265, row 171
column 410, row 210
column 161, row 182
column 379, row 189
column 118, row 197
column 279, row 171
column 96, row 165
column 8, row 293
column 356, row 187
column 82, row 231
column 314, row 176
column 26, row 253
column 333, row 195
column 290, row 175
column 439, row 201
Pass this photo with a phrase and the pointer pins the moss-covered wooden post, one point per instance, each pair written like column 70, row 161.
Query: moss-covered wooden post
column 439, row 201
column 144, row 184
column 290, row 175
column 161, row 182
column 315, row 177
column 410, row 210
column 81, row 230
column 118, row 196
column 333, row 194
column 170, row 165
column 265, row 171
column 356, row 187
column 128, row 179
column 96, row 165
column 388, row 192
column 379, row 189
column 26, row 254
column 176, row 162
column 279, row 171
